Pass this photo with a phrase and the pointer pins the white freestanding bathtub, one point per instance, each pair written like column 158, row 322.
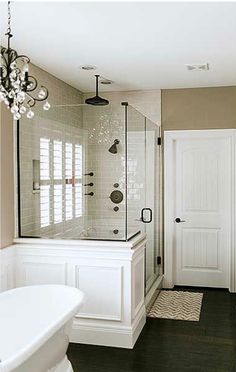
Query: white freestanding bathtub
column 34, row 325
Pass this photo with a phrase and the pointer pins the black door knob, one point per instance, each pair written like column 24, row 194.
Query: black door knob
column 178, row 220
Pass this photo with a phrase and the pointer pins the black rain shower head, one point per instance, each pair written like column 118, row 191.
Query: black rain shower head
column 113, row 148
column 96, row 100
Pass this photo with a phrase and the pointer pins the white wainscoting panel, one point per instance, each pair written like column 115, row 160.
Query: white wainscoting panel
column 35, row 272
column 103, row 288
column 7, row 268
column 111, row 275
column 138, row 285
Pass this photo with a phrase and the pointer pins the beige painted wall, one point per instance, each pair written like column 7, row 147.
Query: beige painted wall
column 6, row 178
column 199, row 108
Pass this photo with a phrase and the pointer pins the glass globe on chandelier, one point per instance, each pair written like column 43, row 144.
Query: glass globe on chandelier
column 16, row 85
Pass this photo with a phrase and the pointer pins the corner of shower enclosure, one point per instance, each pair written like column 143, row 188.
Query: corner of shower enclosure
column 72, row 173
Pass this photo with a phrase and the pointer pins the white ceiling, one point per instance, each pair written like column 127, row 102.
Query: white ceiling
column 138, row 45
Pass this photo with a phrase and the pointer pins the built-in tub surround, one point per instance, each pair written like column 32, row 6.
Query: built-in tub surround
column 111, row 274
column 35, row 337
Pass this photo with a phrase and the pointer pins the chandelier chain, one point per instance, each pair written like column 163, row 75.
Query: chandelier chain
column 9, row 18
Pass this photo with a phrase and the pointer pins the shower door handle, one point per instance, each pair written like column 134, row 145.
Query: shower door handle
column 142, row 215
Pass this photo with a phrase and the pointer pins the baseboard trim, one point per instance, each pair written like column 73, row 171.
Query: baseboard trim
column 115, row 336
column 157, row 285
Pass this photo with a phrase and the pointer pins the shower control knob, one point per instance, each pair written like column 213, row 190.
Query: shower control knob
column 89, row 184
column 89, row 174
column 115, row 231
column 90, row 193
column 116, row 185
column 116, row 209
column 116, row 196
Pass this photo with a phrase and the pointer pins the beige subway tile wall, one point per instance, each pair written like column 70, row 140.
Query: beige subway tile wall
column 56, row 125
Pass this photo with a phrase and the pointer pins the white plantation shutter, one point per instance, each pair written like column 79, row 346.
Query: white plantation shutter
column 78, row 161
column 78, row 180
column 57, row 160
column 44, row 159
column 69, row 160
column 57, row 201
column 68, row 202
column 45, row 176
column 63, row 193
column 78, row 200
column 69, row 175
column 45, row 205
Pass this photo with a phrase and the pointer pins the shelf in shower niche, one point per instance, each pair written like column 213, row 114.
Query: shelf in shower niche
column 36, row 191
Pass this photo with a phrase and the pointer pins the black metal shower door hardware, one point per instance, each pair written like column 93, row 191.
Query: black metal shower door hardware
column 142, row 215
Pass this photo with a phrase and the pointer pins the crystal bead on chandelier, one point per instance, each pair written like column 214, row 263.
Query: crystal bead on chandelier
column 16, row 85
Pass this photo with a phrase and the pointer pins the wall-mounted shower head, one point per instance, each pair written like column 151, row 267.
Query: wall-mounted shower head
column 113, row 148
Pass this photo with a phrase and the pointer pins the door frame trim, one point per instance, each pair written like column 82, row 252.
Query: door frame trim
column 170, row 138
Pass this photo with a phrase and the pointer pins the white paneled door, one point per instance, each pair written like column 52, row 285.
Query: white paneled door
column 201, row 213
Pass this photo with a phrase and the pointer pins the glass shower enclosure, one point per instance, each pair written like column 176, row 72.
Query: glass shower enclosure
column 89, row 172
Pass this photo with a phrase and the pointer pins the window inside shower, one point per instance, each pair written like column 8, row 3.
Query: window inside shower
column 59, row 158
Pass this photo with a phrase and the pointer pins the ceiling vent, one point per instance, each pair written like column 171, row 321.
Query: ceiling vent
column 88, row 67
column 198, row 67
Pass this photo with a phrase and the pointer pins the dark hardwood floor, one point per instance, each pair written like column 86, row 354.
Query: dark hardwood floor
column 171, row 345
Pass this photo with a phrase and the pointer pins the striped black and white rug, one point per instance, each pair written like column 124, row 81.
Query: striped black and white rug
column 178, row 305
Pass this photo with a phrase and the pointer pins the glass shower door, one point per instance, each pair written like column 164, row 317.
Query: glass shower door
column 151, row 219
column 135, row 171
column 143, row 187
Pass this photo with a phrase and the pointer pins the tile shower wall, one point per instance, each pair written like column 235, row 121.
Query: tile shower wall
column 62, row 125
column 103, row 126
column 110, row 167
column 96, row 129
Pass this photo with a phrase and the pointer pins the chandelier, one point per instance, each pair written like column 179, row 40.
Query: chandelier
column 16, row 85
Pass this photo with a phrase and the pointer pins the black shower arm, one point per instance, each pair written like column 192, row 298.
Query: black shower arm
column 97, row 76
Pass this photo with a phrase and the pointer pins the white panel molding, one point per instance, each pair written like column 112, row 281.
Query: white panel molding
column 75, row 251
column 39, row 271
column 106, row 271
column 138, row 290
column 7, row 268
column 170, row 138
column 114, row 296
column 108, row 335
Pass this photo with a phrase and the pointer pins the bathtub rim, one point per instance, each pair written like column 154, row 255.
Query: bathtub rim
column 26, row 352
